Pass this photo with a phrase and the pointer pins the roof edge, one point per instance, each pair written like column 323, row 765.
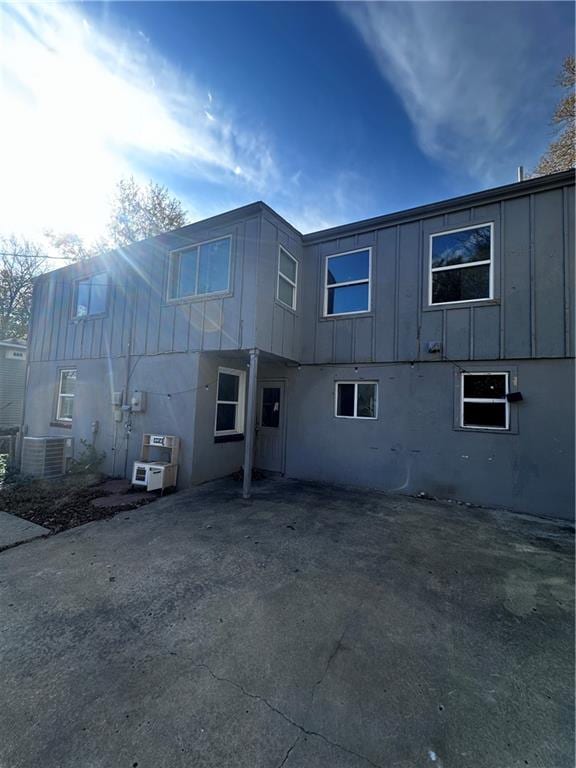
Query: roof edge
column 516, row 189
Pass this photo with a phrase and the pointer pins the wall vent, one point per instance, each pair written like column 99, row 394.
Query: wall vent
column 45, row 456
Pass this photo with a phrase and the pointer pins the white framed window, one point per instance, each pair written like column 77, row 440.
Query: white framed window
column 347, row 283
column 356, row 400
column 461, row 265
column 287, row 278
column 66, row 394
column 230, row 398
column 91, row 295
column 200, row 269
column 483, row 400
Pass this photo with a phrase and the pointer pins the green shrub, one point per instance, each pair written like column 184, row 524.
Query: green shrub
column 88, row 461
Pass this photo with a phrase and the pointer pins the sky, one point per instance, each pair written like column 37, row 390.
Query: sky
column 329, row 112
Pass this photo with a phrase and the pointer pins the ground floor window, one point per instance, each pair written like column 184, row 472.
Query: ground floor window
column 66, row 394
column 484, row 404
column 230, row 402
column 356, row 399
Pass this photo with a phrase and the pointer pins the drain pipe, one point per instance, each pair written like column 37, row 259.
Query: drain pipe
column 250, row 423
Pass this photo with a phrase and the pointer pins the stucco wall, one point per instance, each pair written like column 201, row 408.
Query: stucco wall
column 158, row 376
column 212, row 460
column 414, row 446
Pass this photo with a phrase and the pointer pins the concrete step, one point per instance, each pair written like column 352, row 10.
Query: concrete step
column 15, row 530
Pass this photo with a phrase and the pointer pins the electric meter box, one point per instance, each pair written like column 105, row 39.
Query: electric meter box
column 138, row 401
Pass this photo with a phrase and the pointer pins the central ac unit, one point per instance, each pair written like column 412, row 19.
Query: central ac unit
column 46, row 456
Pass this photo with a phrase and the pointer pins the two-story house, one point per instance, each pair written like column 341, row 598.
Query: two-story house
column 430, row 350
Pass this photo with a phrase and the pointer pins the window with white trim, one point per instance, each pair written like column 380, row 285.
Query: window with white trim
column 230, row 402
column 66, row 394
column 201, row 269
column 356, row 400
column 484, row 404
column 287, row 278
column 461, row 263
column 347, row 283
column 91, row 295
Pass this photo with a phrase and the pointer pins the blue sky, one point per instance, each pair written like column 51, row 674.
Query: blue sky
column 330, row 112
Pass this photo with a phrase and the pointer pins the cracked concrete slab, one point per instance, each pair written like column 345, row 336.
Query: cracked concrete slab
column 308, row 626
column 14, row 530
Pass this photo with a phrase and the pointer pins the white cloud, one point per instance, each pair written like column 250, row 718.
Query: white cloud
column 82, row 106
column 467, row 76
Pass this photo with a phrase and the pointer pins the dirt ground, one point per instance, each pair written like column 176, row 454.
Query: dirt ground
column 64, row 502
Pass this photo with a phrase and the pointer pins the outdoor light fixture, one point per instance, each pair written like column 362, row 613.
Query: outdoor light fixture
column 514, row 397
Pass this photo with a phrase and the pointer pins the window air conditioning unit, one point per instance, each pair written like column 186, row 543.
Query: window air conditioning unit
column 46, row 456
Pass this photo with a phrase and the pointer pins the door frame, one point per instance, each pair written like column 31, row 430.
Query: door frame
column 280, row 382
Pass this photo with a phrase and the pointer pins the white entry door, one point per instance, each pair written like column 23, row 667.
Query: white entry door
column 270, row 426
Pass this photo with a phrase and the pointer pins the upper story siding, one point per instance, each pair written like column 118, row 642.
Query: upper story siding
column 530, row 315
column 140, row 316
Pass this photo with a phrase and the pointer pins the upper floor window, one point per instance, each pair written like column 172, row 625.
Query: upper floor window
column 347, row 284
column 66, row 394
column 484, row 404
column 461, row 265
column 91, row 295
column 200, row 269
column 287, row 278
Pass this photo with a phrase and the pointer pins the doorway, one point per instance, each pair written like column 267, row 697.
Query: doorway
column 270, row 426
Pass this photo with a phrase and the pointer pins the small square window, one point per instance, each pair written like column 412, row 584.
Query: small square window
column 357, row 399
column 461, row 265
column 484, row 404
column 347, row 283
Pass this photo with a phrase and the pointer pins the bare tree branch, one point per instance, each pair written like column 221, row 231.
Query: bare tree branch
column 20, row 262
column 561, row 154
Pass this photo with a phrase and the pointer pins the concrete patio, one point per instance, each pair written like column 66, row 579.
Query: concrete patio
column 308, row 626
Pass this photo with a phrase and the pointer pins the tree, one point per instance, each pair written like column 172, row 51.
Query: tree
column 138, row 212
column 561, row 154
column 71, row 246
column 20, row 262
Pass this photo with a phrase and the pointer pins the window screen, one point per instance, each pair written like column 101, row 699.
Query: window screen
column 357, row 399
column 229, row 402
column 484, row 403
column 347, row 288
column 201, row 269
column 91, row 295
column 460, row 265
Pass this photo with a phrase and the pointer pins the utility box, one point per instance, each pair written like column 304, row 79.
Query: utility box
column 158, row 465
column 138, row 401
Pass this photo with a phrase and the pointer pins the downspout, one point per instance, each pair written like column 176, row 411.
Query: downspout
column 18, row 458
column 250, row 423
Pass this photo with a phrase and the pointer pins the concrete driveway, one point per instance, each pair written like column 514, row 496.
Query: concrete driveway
column 306, row 627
